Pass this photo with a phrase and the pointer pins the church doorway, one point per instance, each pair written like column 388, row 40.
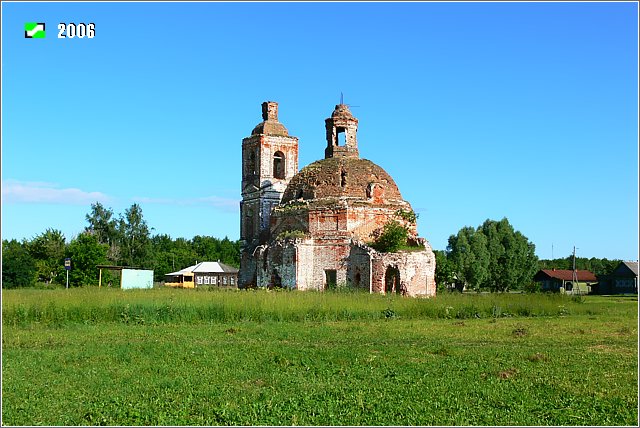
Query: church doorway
column 276, row 280
column 392, row 280
column 331, row 278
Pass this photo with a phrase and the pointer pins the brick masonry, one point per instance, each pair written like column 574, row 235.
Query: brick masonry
column 310, row 229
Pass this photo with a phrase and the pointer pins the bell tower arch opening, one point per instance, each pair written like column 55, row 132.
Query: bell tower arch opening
column 341, row 136
column 279, row 165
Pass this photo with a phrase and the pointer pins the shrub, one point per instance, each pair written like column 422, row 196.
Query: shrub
column 532, row 287
column 393, row 236
column 408, row 216
column 18, row 267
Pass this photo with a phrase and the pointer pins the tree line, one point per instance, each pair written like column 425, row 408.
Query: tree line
column 491, row 257
column 496, row 257
column 123, row 240
column 594, row 265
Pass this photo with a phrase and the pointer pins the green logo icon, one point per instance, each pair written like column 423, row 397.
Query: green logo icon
column 34, row 30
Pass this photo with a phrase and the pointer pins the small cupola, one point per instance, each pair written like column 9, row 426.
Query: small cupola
column 270, row 124
column 342, row 128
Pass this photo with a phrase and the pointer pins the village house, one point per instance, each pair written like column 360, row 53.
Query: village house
column 623, row 280
column 563, row 280
column 203, row 274
column 312, row 229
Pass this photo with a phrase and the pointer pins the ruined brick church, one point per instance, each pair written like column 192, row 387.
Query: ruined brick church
column 312, row 229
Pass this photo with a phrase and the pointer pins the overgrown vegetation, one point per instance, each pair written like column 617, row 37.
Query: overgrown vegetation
column 166, row 305
column 392, row 237
column 290, row 234
column 407, row 215
column 191, row 357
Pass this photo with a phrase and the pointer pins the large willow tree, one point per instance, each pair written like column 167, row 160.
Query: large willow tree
column 493, row 256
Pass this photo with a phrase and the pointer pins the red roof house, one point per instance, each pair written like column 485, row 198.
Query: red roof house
column 563, row 280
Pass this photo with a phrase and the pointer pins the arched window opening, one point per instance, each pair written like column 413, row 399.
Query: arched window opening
column 278, row 165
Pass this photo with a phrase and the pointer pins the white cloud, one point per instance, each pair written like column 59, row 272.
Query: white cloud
column 14, row 191
column 162, row 201
column 223, row 204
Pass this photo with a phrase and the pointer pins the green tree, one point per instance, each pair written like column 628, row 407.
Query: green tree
column 207, row 248
column 183, row 253
column 86, row 254
column 103, row 224
column 163, row 256
column 602, row 266
column 47, row 249
column 459, row 253
column 554, row 264
column 18, row 266
column 595, row 265
column 468, row 254
column 134, row 238
column 512, row 259
column 479, row 268
column 230, row 252
column 494, row 256
column 171, row 255
column 445, row 274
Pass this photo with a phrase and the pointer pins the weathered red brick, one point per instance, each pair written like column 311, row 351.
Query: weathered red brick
column 304, row 229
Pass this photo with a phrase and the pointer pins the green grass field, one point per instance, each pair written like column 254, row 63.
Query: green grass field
column 190, row 357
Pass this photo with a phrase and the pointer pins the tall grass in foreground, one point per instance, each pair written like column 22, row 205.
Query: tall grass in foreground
column 164, row 305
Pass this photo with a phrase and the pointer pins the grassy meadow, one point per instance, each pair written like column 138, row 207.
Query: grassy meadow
column 194, row 357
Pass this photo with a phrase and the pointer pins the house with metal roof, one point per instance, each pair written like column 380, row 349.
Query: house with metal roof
column 565, row 281
column 623, row 280
column 203, row 274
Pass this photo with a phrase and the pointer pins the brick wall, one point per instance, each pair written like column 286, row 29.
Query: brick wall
column 416, row 268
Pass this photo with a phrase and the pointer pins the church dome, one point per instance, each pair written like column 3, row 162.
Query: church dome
column 346, row 178
column 269, row 127
column 342, row 112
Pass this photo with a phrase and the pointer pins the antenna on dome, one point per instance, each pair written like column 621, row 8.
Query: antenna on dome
column 342, row 100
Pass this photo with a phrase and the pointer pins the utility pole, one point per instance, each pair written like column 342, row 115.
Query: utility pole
column 574, row 279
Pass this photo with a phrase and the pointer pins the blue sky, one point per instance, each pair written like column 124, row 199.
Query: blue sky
column 478, row 110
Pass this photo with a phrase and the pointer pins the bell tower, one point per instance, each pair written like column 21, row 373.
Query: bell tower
column 341, row 122
column 269, row 161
